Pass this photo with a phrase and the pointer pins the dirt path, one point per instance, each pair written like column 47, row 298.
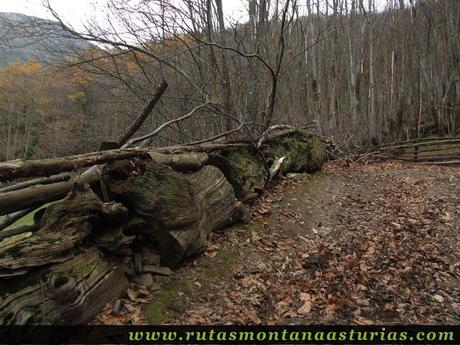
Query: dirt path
column 363, row 244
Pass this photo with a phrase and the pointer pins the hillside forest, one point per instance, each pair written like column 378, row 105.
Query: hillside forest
column 368, row 71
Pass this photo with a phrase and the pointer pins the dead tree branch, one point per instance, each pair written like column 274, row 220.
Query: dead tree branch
column 146, row 138
column 143, row 116
column 44, row 180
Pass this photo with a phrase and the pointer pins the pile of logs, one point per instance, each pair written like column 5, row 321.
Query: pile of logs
column 135, row 213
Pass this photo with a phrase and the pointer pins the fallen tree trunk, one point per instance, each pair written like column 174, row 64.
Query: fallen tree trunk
column 39, row 181
column 180, row 158
column 38, row 195
column 62, row 227
column 164, row 204
column 71, row 292
column 33, row 196
column 302, row 151
column 11, row 170
column 45, row 167
column 175, row 210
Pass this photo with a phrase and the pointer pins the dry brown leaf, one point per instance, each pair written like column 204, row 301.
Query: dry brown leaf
column 438, row 298
column 305, row 308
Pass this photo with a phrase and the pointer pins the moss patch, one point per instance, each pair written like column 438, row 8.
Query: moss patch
column 218, row 267
column 244, row 170
column 303, row 152
column 167, row 303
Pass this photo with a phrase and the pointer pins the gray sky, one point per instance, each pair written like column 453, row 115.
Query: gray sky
column 76, row 12
column 72, row 10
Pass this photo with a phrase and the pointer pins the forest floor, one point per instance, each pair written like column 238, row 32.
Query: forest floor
column 358, row 244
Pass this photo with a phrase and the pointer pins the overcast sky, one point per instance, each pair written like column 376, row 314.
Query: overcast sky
column 77, row 11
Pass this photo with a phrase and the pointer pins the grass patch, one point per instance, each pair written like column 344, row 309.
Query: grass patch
column 28, row 219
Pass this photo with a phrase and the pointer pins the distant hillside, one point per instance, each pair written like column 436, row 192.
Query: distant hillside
column 24, row 37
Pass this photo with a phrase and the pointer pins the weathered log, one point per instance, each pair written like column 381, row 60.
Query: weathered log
column 203, row 148
column 62, row 227
column 45, row 167
column 59, row 268
column 173, row 209
column 33, row 196
column 71, row 292
column 183, row 158
column 244, row 170
column 51, row 275
column 44, row 180
column 181, row 161
column 302, row 151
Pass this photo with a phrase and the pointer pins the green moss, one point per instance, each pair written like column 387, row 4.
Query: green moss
column 219, row 267
column 245, row 172
column 297, row 148
column 167, row 302
column 85, row 267
column 316, row 154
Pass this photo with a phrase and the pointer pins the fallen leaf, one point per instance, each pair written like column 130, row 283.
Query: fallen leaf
column 438, row 298
column 305, row 308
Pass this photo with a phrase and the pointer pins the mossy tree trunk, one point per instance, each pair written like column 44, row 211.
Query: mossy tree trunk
column 175, row 210
column 55, row 275
column 83, row 250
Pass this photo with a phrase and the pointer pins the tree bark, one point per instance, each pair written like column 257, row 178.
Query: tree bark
column 71, row 292
column 62, row 228
column 175, row 210
column 11, row 218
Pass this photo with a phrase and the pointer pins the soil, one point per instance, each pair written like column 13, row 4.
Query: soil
column 360, row 244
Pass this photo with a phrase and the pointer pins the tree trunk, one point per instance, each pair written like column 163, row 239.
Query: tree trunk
column 71, row 292
column 56, row 273
column 175, row 210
